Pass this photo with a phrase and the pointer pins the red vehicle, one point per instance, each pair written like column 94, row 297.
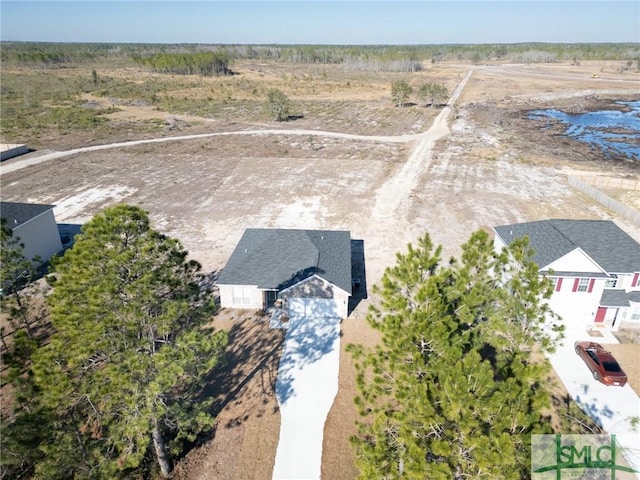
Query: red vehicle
column 602, row 364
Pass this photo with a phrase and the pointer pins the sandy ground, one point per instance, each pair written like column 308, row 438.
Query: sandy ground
column 490, row 168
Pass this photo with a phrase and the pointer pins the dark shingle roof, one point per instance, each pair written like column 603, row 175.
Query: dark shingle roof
column 278, row 258
column 606, row 243
column 614, row 298
column 16, row 213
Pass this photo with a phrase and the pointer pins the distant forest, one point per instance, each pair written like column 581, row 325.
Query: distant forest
column 205, row 59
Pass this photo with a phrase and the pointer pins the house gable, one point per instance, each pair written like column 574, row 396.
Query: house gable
column 612, row 249
column 575, row 261
column 312, row 287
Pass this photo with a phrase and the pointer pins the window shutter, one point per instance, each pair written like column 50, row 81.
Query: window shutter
column 575, row 285
column 558, row 284
column 593, row 280
column 635, row 279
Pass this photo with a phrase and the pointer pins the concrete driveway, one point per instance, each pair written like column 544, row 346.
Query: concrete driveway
column 306, row 387
column 613, row 408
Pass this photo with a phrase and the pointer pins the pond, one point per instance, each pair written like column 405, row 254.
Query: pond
column 615, row 132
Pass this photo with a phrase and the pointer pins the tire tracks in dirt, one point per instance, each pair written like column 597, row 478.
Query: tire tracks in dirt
column 393, row 194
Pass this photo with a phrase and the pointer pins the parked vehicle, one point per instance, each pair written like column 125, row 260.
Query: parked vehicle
column 602, row 363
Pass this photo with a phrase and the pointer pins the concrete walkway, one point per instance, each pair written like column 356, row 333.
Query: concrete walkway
column 306, row 387
column 613, row 408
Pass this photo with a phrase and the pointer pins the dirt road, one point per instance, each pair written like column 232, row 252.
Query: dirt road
column 8, row 167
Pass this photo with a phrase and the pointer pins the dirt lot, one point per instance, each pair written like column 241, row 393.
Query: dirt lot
column 493, row 167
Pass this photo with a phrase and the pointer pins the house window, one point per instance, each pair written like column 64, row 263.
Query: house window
column 583, row 285
column 272, row 295
column 558, row 284
column 241, row 297
column 612, row 282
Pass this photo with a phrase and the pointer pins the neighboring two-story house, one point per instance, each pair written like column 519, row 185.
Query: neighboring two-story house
column 594, row 264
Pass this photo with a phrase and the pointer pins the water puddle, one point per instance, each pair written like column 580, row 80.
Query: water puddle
column 615, row 133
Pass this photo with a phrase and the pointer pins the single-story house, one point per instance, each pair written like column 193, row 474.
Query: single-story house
column 307, row 271
column 594, row 264
column 35, row 225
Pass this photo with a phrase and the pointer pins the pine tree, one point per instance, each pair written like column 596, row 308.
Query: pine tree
column 124, row 370
column 278, row 105
column 400, row 92
column 17, row 275
column 445, row 394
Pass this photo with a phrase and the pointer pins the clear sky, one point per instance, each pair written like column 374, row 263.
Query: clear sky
column 321, row 22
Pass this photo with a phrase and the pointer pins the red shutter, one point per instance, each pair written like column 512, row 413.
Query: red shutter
column 593, row 280
column 575, row 285
column 558, row 284
column 635, row 279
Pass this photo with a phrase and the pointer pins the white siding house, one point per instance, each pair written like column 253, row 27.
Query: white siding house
column 305, row 270
column 35, row 226
column 595, row 267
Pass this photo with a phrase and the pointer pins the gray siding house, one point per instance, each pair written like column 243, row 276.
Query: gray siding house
column 309, row 271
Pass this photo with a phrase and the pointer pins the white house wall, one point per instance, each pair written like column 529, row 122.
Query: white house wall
column 574, row 261
column 241, row 296
column 631, row 318
column 577, row 308
column 317, row 287
column 40, row 236
column 625, row 282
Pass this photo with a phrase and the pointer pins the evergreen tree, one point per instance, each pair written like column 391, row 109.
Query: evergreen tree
column 400, row 92
column 433, row 93
column 278, row 105
column 124, row 370
column 453, row 390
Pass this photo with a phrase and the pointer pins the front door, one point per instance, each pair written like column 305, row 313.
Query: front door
column 270, row 298
column 600, row 314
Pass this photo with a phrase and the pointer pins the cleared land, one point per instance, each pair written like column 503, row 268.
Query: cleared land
column 493, row 167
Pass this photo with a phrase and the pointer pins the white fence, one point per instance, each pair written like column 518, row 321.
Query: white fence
column 625, row 211
column 612, row 182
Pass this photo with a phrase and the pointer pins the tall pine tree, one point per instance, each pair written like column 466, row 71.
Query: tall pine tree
column 453, row 390
column 124, row 370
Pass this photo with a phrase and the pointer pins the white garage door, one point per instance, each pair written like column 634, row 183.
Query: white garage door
column 313, row 307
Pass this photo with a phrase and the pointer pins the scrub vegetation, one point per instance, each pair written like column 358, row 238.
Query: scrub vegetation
column 45, row 85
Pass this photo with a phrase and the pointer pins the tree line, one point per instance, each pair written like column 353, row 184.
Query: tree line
column 198, row 63
column 352, row 57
